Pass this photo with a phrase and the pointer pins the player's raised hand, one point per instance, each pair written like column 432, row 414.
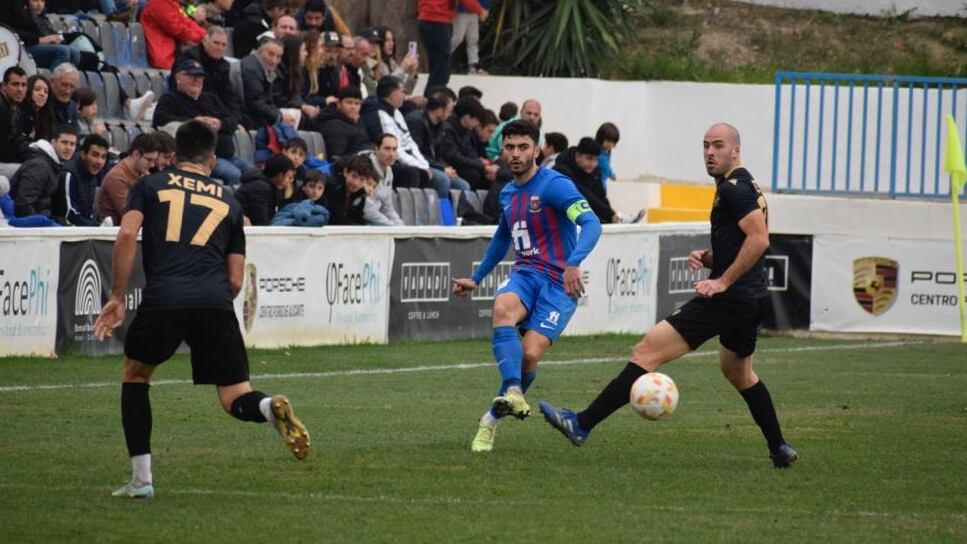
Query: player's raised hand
column 573, row 284
column 463, row 286
column 111, row 317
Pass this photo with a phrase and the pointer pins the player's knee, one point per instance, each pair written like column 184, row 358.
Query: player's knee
column 503, row 314
column 646, row 355
column 135, row 372
column 741, row 376
column 532, row 356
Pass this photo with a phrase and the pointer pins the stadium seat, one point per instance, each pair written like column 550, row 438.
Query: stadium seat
column 315, row 143
column 82, row 79
column 112, row 97
column 432, row 207
column 310, row 143
column 473, row 198
column 89, row 27
column 235, row 74
column 107, row 43
column 407, row 208
column 96, row 83
column 157, row 84
column 420, row 205
column 455, row 198
column 56, row 22
column 126, row 82
column 44, row 72
column 142, row 83
column 244, row 147
column 27, row 63
column 133, row 132
column 122, row 44
column 71, row 23
column 482, row 193
column 119, row 138
column 139, row 51
column 230, row 50
column 396, row 202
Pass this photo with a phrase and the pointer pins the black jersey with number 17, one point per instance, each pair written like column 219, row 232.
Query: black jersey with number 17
column 736, row 195
column 190, row 226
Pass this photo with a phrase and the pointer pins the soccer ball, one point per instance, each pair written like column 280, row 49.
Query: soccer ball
column 654, row 396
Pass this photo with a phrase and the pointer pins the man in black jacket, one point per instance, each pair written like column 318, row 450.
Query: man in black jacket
column 457, row 149
column 264, row 192
column 188, row 101
column 339, row 125
column 74, row 202
column 426, row 126
column 218, row 80
column 263, row 83
column 345, row 195
column 35, row 182
column 13, row 141
column 257, row 17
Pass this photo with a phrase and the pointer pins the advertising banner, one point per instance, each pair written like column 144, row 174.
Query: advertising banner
column 85, row 285
column 28, row 297
column 315, row 290
column 884, row 285
column 789, row 264
column 675, row 280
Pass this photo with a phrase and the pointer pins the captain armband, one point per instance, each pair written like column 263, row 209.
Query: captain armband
column 577, row 209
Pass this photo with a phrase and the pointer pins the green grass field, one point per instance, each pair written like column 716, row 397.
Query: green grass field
column 881, row 428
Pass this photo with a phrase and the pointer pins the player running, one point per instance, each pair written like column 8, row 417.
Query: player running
column 539, row 214
column 193, row 252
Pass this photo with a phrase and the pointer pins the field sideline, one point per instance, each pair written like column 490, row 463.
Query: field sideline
column 880, row 426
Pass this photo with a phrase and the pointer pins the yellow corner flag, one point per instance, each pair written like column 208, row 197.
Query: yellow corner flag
column 954, row 165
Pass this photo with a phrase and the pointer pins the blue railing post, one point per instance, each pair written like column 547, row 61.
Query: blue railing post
column 775, row 134
column 893, row 134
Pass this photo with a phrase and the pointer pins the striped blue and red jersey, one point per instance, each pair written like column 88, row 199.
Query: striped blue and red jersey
column 539, row 218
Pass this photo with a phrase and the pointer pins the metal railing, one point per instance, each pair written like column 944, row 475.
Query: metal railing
column 864, row 134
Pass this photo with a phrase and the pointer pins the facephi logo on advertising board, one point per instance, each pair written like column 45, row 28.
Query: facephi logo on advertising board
column 26, row 296
column 352, row 287
column 87, row 299
column 875, row 283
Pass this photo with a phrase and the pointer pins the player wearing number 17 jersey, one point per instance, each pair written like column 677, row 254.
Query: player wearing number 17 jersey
column 540, row 213
column 193, row 251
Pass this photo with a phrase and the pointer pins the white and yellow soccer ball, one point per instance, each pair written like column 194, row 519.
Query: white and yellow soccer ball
column 654, row 396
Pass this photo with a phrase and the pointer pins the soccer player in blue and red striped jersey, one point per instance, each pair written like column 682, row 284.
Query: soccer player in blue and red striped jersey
column 540, row 213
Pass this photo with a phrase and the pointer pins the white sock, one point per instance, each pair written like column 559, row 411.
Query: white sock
column 488, row 419
column 265, row 406
column 141, row 466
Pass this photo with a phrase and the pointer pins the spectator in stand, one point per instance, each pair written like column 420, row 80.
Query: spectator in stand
column 381, row 114
column 340, row 127
column 508, row 111
column 87, row 113
column 166, row 152
column 38, row 110
column 74, row 202
column 264, row 192
column 188, row 101
column 371, row 69
column 581, row 165
column 291, row 69
column 404, row 70
column 322, row 67
column 457, row 148
column 481, row 135
column 14, row 140
column 48, row 49
column 112, row 199
column 216, row 12
column 282, row 27
column 256, row 19
column 316, row 15
column 211, row 54
column 466, row 26
column 607, row 137
column 426, row 126
column 435, row 18
column 165, row 26
column 63, row 82
column 264, row 86
column 354, row 61
column 530, row 110
column 346, row 191
column 34, row 184
column 470, row 90
column 297, row 151
column 313, row 187
column 379, row 208
column 555, row 143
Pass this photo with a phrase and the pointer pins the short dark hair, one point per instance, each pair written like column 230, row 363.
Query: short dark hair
column 607, row 132
column 469, row 90
column 508, row 110
column 92, row 140
column 315, row 5
column 84, row 97
column 297, row 142
column 522, row 127
column 349, row 92
column 441, row 89
column 487, row 117
column 436, row 101
column 166, row 141
column 587, row 146
column 277, row 164
column 386, row 86
column 359, row 164
column 194, row 142
column 383, row 136
column 146, row 142
column 314, row 176
column 467, row 105
column 556, row 140
column 13, row 71
column 63, row 128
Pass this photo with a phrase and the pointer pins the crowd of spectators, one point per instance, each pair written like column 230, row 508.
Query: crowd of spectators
column 299, row 68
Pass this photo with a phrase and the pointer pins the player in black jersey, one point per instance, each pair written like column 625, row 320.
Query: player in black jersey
column 193, row 251
column 729, row 305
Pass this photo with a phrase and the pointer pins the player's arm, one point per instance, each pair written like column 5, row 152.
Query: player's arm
column 236, row 272
column 699, row 258
column 756, row 243
column 496, row 250
column 125, row 249
column 565, row 196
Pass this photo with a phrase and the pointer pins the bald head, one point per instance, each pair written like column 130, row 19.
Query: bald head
column 721, row 149
column 530, row 110
column 732, row 132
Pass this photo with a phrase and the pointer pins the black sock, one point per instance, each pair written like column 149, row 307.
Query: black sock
column 615, row 395
column 246, row 407
column 764, row 414
column 136, row 417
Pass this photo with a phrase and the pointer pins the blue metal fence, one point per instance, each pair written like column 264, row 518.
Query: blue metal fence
column 864, row 134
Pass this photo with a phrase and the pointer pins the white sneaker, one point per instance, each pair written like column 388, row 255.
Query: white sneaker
column 138, row 106
column 625, row 218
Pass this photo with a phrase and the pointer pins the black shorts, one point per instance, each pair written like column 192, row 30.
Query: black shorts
column 735, row 322
column 217, row 351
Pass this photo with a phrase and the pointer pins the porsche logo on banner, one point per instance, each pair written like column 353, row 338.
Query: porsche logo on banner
column 875, row 283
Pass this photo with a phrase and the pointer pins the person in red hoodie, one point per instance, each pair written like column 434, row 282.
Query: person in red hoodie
column 435, row 19
column 165, row 25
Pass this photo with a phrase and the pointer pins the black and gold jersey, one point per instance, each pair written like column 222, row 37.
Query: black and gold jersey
column 735, row 196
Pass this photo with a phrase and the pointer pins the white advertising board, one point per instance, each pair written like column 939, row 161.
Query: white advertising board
column 29, row 274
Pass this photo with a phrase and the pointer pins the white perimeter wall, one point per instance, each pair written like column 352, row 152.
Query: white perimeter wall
column 946, row 8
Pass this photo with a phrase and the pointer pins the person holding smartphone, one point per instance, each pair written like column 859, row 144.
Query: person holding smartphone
column 405, row 69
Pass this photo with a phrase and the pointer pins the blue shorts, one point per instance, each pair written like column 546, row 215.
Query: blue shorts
column 549, row 307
